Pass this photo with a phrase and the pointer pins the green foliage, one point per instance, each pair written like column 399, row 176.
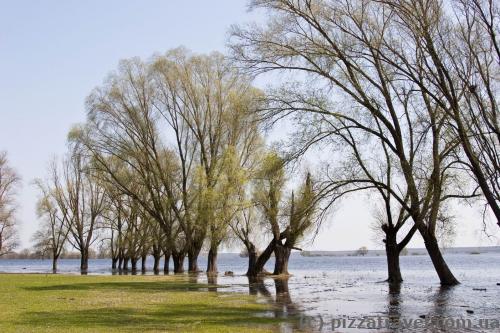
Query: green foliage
column 302, row 211
column 268, row 192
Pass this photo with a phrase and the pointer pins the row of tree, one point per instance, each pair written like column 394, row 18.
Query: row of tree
column 401, row 95
column 170, row 160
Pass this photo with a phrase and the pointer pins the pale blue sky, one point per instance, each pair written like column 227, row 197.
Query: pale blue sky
column 52, row 53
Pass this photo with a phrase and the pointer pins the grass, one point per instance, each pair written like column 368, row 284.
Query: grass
column 65, row 303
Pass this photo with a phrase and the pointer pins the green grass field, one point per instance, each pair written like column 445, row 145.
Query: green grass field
column 64, row 303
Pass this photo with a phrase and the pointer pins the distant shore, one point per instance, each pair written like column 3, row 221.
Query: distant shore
column 409, row 251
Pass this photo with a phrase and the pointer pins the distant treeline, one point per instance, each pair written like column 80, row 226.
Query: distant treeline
column 32, row 254
column 406, row 251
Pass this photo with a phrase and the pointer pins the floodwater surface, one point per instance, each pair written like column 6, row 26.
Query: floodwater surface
column 348, row 294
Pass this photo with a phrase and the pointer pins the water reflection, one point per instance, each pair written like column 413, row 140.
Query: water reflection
column 283, row 306
column 257, row 287
column 212, row 282
column 193, row 278
column 441, row 300
column 394, row 304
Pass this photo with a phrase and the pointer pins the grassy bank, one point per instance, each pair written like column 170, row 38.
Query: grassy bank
column 62, row 303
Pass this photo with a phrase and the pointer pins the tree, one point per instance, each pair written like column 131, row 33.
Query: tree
column 357, row 99
column 460, row 75
column 209, row 104
column 172, row 122
column 247, row 226
column 287, row 224
column 84, row 197
column 52, row 209
column 302, row 217
column 9, row 182
column 362, row 251
column 268, row 193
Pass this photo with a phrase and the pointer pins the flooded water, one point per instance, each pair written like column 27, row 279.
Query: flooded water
column 347, row 294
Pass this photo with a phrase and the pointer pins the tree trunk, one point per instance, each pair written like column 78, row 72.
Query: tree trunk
column 156, row 264
column 252, row 261
column 392, row 252
column 133, row 261
column 120, row 262
column 166, row 264
column 84, row 261
column 178, row 259
column 445, row 275
column 114, row 261
column 212, row 262
column 143, row 263
column 282, row 256
column 54, row 264
column 264, row 257
column 193, row 260
column 125, row 263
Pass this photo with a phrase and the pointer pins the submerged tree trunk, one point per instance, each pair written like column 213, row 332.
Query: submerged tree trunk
column 54, row 263
column 166, row 264
column 143, row 263
column 156, row 264
column 178, row 259
column 261, row 260
column 212, row 261
column 84, row 261
column 120, row 262
column 114, row 262
column 392, row 252
column 252, row 261
column 193, row 259
column 446, row 277
column 282, row 256
column 125, row 263
column 133, row 262
column 157, row 258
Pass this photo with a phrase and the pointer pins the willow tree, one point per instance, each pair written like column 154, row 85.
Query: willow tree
column 359, row 101
column 122, row 137
column 267, row 195
column 302, row 216
column 9, row 182
column 288, row 219
column 209, row 107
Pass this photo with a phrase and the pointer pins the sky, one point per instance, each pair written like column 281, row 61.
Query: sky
column 53, row 53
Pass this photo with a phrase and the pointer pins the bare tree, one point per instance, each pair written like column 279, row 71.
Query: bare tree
column 53, row 210
column 358, row 99
column 460, row 74
column 9, row 182
column 84, row 197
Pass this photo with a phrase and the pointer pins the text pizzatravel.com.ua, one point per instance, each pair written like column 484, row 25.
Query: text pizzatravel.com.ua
column 379, row 322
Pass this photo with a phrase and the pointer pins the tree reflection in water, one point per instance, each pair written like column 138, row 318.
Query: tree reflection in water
column 283, row 306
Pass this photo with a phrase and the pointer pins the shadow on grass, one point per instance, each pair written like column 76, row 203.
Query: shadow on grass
column 183, row 316
column 134, row 286
column 176, row 317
